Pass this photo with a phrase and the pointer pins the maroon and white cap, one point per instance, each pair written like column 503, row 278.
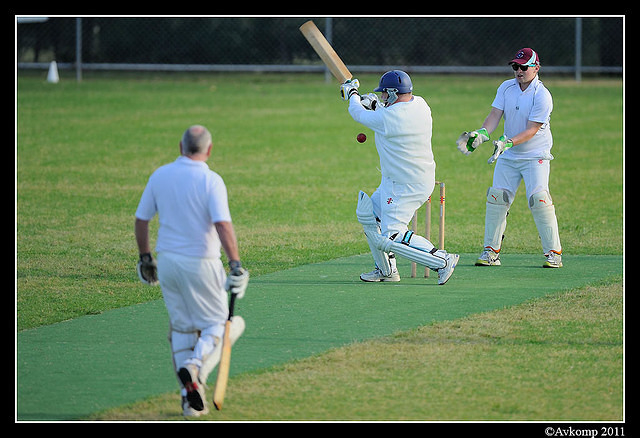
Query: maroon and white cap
column 526, row 56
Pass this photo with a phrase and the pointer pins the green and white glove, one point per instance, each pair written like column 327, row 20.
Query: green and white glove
column 470, row 140
column 500, row 145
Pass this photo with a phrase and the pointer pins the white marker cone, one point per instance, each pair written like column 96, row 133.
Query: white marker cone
column 52, row 76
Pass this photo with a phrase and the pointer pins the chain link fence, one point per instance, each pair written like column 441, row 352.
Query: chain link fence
column 567, row 45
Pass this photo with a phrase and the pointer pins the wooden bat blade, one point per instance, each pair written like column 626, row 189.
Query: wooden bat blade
column 223, row 368
column 325, row 51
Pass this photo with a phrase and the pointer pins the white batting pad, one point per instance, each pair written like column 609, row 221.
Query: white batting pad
column 211, row 360
column 415, row 248
column 364, row 212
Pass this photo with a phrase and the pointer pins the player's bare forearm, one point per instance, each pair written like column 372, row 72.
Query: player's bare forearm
column 527, row 134
column 141, row 229
column 492, row 120
column 227, row 236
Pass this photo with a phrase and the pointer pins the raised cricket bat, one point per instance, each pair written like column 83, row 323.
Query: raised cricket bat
column 325, row 51
column 225, row 360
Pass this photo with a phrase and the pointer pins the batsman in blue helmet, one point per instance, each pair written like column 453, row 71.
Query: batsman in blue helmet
column 402, row 125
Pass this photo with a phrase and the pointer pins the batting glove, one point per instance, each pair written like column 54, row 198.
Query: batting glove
column 500, row 146
column 349, row 88
column 237, row 280
column 469, row 141
column 370, row 101
column 147, row 269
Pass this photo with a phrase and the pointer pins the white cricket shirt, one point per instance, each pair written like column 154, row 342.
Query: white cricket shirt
column 535, row 104
column 188, row 198
column 402, row 136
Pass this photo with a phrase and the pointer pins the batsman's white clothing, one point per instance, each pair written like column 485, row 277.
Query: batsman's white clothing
column 403, row 140
column 189, row 198
column 394, row 204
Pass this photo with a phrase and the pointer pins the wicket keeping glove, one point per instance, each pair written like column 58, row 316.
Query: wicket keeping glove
column 349, row 88
column 500, row 145
column 147, row 269
column 237, row 279
column 470, row 140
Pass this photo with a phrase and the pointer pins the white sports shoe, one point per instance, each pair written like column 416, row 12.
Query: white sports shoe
column 554, row 260
column 445, row 273
column 188, row 411
column 377, row 275
column 488, row 258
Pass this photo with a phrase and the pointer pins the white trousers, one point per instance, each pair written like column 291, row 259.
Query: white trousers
column 507, row 176
column 394, row 204
column 193, row 291
column 508, row 173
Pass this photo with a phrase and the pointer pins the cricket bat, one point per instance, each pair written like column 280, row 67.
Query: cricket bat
column 325, row 51
column 225, row 360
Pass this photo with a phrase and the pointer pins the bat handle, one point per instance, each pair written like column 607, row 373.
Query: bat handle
column 232, row 303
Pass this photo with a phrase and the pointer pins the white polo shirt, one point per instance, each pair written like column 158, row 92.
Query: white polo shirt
column 535, row 104
column 188, row 198
column 403, row 138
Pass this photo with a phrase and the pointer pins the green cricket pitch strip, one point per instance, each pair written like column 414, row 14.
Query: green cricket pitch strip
column 68, row 370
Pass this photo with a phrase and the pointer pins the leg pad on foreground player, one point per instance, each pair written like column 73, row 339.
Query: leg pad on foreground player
column 544, row 215
column 202, row 349
column 210, row 361
column 367, row 219
column 182, row 346
column 195, row 355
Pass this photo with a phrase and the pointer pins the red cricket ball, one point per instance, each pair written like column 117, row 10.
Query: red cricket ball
column 361, row 138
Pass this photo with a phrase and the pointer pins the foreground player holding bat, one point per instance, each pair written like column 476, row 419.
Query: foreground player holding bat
column 191, row 203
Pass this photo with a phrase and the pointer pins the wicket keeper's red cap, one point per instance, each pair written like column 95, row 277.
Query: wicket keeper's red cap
column 526, row 56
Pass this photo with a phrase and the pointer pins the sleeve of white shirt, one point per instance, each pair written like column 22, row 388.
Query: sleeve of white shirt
column 370, row 119
column 498, row 102
column 147, row 206
column 542, row 107
column 218, row 201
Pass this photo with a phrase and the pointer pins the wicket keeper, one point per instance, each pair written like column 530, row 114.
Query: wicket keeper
column 523, row 151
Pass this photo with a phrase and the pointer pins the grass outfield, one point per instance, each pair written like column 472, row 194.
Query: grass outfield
column 286, row 148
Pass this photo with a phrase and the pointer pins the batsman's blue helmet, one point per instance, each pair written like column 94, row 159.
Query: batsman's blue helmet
column 395, row 79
